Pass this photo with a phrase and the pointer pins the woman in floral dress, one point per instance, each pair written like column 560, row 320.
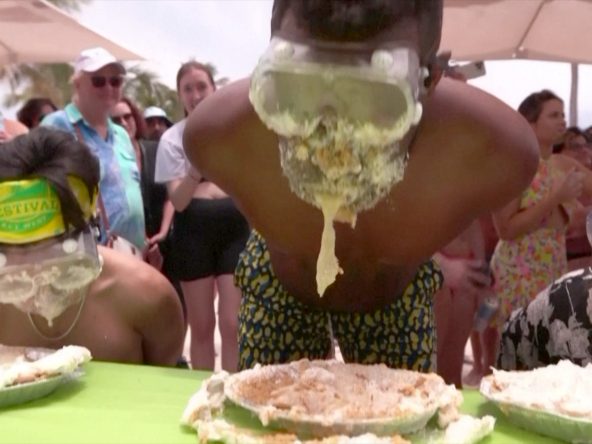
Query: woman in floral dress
column 530, row 254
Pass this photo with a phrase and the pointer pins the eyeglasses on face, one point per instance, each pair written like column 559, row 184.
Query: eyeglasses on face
column 101, row 81
column 119, row 119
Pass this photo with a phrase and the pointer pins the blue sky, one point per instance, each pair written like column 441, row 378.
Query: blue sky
column 232, row 33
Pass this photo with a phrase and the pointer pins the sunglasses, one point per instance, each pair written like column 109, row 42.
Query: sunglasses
column 119, row 119
column 101, row 81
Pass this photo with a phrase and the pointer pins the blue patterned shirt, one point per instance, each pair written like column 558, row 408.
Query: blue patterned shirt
column 120, row 178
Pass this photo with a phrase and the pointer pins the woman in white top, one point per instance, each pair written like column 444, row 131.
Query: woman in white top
column 208, row 234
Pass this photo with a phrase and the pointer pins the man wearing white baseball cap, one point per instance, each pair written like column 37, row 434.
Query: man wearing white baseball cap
column 93, row 59
column 157, row 122
column 97, row 82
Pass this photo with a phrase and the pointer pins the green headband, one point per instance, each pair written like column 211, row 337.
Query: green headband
column 30, row 209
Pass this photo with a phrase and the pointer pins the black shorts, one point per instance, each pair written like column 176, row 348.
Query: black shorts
column 208, row 237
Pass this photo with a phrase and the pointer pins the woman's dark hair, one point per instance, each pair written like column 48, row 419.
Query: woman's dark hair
column 568, row 135
column 138, row 118
column 357, row 20
column 193, row 64
column 31, row 111
column 52, row 155
column 532, row 106
column 588, row 134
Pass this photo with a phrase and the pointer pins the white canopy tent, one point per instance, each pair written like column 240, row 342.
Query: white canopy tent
column 550, row 30
column 36, row 31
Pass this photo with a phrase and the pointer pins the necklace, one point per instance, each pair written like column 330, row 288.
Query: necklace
column 76, row 318
column 67, row 332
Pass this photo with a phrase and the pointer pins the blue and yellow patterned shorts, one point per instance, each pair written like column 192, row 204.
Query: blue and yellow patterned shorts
column 275, row 328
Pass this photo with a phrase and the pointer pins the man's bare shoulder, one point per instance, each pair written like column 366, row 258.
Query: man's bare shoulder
column 142, row 298
column 127, row 278
column 465, row 109
column 470, row 131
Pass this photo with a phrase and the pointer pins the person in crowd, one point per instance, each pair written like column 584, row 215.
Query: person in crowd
column 574, row 143
column 466, row 276
column 466, row 279
column 577, row 240
column 208, row 235
column 10, row 128
column 34, row 111
column 531, row 252
column 157, row 122
column 158, row 211
column 490, row 240
column 588, row 134
column 469, row 154
column 555, row 325
column 57, row 287
column 98, row 80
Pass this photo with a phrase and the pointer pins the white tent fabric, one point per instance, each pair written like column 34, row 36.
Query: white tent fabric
column 36, row 31
column 550, row 30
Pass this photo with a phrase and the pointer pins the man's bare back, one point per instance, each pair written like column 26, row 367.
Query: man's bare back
column 131, row 314
column 453, row 175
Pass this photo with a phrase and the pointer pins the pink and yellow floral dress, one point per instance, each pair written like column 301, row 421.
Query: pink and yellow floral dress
column 524, row 266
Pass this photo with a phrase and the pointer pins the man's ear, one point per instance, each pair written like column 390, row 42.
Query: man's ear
column 437, row 68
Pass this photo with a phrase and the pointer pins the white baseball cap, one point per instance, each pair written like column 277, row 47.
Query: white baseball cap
column 93, row 59
column 155, row 111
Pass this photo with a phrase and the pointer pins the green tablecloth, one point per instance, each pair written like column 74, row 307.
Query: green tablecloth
column 117, row 403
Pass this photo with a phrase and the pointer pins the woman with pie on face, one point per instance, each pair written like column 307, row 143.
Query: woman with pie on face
column 531, row 252
column 208, row 233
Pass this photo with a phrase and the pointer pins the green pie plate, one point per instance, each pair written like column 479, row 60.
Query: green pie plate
column 562, row 427
column 21, row 393
column 309, row 425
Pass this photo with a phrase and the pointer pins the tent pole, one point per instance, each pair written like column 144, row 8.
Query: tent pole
column 573, row 96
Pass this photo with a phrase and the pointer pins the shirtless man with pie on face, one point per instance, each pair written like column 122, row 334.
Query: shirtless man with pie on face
column 345, row 125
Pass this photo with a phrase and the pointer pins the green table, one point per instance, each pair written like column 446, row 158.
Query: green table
column 118, row 403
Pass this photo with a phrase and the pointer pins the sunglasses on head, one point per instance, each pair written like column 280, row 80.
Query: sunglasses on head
column 119, row 119
column 101, row 81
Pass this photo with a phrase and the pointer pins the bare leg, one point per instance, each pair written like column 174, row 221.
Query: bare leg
column 442, row 319
column 491, row 339
column 199, row 299
column 474, row 377
column 229, row 297
column 456, row 310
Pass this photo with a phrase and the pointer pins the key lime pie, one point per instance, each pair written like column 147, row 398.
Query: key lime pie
column 330, row 402
column 555, row 400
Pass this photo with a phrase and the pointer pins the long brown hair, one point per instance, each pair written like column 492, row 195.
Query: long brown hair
column 194, row 64
column 532, row 106
column 141, row 128
column 187, row 67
